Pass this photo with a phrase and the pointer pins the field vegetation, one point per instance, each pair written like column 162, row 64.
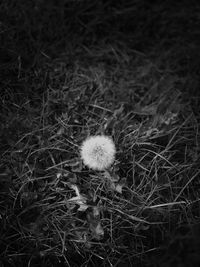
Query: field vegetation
column 125, row 69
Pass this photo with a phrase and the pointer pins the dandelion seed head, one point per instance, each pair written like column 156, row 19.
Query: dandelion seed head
column 98, row 152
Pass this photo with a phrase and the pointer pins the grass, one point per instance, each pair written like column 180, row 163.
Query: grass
column 129, row 71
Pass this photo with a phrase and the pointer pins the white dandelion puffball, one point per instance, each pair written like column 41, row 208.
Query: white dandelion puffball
column 98, row 152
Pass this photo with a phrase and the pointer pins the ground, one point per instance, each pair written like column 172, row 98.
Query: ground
column 127, row 70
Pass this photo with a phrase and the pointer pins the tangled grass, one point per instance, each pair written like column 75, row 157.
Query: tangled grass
column 144, row 210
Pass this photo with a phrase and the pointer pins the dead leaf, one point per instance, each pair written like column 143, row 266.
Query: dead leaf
column 79, row 199
column 58, row 175
column 120, row 185
column 78, row 167
column 145, row 110
column 75, row 188
column 97, row 231
column 114, row 181
column 111, row 176
column 71, row 177
column 95, row 226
